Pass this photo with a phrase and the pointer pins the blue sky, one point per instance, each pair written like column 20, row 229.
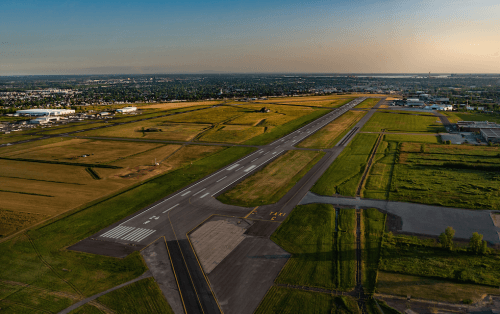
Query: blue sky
column 80, row 37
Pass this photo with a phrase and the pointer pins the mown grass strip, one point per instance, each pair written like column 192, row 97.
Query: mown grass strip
column 344, row 174
column 92, row 173
column 374, row 226
column 26, row 193
column 272, row 183
column 286, row 128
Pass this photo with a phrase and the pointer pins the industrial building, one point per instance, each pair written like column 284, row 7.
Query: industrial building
column 45, row 112
column 476, row 126
column 126, row 109
column 439, row 107
column 491, row 135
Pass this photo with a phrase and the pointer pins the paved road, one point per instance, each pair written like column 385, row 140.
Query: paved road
column 174, row 216
column 424, row 219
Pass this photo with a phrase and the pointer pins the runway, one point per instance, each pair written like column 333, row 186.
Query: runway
column 176, row 215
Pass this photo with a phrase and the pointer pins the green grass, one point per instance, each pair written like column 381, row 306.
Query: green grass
column 456, row 176
column 287, row 300
column 374, row 226
column 16, row 137
column 86, row 309
column 270, row 184
column 378, row 182
column 431, row 288
column 393, row 122
column 87, row 273
column 344, row 174
column 431, row 139
column 73, row 127
column 329, row 135
column 143, row 296
column 425, row 258
column 321, row 257
column 491, row 117
column 280, row 131
column 368, row 103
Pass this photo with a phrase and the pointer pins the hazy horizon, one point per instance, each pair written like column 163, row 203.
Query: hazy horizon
column 194, row 37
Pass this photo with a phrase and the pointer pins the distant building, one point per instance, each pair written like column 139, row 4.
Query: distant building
column 45, row 112
column 491, row 135
column 126, row 109
column 440, row 107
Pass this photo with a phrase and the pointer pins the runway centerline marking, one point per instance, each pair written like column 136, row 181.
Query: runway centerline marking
column 218, row 180
column 232, row 167
column 250, row 168
column 186, row 193
column 254, row 159
column 204, row 195
column 171, row 208
column 200, row 191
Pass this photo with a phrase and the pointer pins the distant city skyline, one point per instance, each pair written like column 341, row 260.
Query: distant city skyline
column 108, row 37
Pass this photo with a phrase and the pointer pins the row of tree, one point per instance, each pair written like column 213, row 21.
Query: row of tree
column 476, row 243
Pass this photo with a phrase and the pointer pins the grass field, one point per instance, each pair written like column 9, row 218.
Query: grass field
column 430, row 288
column 466, row 116
column 321, row 257
column 16, row 137
column 182, row 104
column 344, row 175
column 271, row 183
column 329, row 135
column 288, row 300
column 72, row 127
column 169, row 131
column 425, row 258
column 403, row 122
column 280, row 131
column 21, row 259
column 143, row 296
column 431, row 139
column 32, row 191
column 373, row 230
column 448, row 175
column 368, row 103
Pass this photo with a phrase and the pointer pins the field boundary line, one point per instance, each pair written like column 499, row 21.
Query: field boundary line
column 369, row 165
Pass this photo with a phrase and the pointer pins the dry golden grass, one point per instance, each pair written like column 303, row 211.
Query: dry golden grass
column 430, row 289
column 176, row 105
column 31, row 192
column 70, row 151
column 169, row 131
column 327, row 136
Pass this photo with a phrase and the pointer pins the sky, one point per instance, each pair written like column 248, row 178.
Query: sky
column 132, row 37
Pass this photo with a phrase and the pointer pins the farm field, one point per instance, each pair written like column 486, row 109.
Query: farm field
column 16, row 137
column 143, row 296
column 288, row 300
column 368, row 103
column 373, row 226
column 344, row 174
column 34, row 191
column 329, row 263
column 333, row 132
column 426, row 258
column 21, row 264
column 271, row 183
column 431, row 288
column 403, row 122
column 181, row 104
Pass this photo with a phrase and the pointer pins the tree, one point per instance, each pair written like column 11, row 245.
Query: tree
column 446, row 238
column 477, row 245
column 475, row 242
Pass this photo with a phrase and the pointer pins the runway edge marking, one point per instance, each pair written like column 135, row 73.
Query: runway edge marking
column 185, row 263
